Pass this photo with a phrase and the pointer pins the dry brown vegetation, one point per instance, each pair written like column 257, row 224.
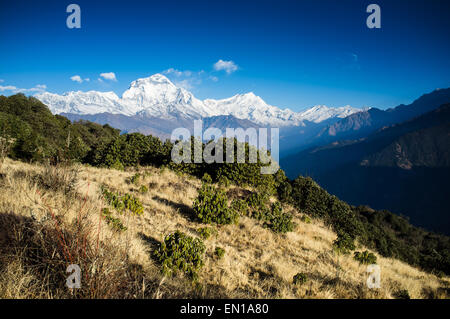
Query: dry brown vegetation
column 51, row 217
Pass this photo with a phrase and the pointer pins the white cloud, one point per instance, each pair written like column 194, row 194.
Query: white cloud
column 185, row 79
column 214, row 78
column 187, row 84
column 227, row 66
column 76, row 78
column 1, row 81
column 7, row 88
column 178, row 73
column 109, row 76
column 38, row 88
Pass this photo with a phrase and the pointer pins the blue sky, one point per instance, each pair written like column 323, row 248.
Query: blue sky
column 293, row 54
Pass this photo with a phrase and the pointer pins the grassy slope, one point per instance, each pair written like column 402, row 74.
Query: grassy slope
column 257, row 264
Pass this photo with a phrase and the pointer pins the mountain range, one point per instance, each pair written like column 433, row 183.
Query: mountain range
column 154, row 105
column 404, row 167
column 359, row 124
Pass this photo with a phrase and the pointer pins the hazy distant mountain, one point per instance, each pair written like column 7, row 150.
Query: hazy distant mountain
column 404, row 168
column 156, row 97
column 357, row 125
column 363, row 123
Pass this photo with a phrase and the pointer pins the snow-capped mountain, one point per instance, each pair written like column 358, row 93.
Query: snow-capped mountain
column 79, row 102
column 320, row 113
column 251, row 107
column 157, row 97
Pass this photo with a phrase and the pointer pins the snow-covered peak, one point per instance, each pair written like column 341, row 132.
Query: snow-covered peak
column 252, row 107
column 321, row 113
column 157, row 96
column 91, row 102
column 156, row 79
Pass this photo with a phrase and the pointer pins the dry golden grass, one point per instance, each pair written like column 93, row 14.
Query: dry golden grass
column 257, row 263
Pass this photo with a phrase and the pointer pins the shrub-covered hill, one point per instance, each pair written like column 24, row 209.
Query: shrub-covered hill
column 141, row 233
column 26, row 119
column 39, row 135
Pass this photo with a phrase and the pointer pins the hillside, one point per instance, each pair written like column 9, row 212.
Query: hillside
column 234, row 199
column 39, row 135
column 258, row 263
column 403, row 168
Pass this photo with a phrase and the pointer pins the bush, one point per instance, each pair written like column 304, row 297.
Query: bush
column 278, row 221
column 133, row 204
column 114, row 222
column 224, row 181
column 282, row 224
column 113, row 199
column 309, row 197
column 135, row 179
column 257, row 201
column 300, row 279
column 240, row 206
column 206, row 178
column 344, row 244
column 143, row 189
column 219, row 252
column 306, row 219
column 206, row 232
column 211, row 206
column 123, row 203
column 180, row 252
column 284, row 191
column 365, row 257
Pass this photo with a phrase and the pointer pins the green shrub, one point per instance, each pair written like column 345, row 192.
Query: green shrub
column 344, row 244
column 219, row 252
column 143, row 189
column 240, row 206
column 206, row 178
column 402, row 294
column 113, row 199
column 282, row 223
column 135, row 179
column 180, row 252
column 133, row 204
column 123, row 203
column 309, row 197
column 306, row 219
column 224, row 181
column 211, row 206
column 365, row 257
column 284, row 191
column 206, row 232
column 263, row 214
column 278, row 221
column 300, row 279
column 257, row 201
column 117, row 165
column 114, row 222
